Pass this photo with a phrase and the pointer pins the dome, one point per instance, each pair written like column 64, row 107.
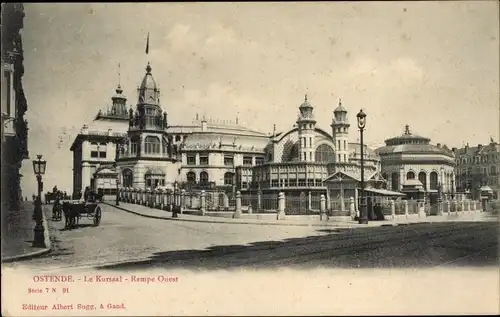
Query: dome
column 305, row 104
column 340, row 108
column 148, row 91
column 412, row 144
column 148, row 81
column 119, row 93
column 355, row 151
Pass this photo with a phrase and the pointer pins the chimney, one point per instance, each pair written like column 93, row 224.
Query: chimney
column 85, row 129
column 439, row 145
column 479, row 147
column 453, row 149
column 203, row 125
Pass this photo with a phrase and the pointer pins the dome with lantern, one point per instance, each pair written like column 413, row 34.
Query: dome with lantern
column 409, row 143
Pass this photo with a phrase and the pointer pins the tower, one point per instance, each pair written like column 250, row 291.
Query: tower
column 119, row 100
column 147, row 128
column 306, row 125
column 340, row 132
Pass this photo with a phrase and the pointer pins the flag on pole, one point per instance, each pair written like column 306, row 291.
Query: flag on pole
column 147, row 45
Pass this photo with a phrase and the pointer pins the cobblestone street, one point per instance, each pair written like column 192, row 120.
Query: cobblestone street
column 125, row 237
column 127, row 241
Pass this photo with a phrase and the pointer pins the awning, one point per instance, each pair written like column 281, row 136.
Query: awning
column 384, row 192
column 155, row 171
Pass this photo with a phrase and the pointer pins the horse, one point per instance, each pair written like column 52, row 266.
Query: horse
column 71, row 216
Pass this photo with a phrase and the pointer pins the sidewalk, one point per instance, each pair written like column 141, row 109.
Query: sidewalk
column 17, row 234
column 332, row 222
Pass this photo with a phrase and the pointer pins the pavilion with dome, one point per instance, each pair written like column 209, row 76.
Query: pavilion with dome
column 410, row 161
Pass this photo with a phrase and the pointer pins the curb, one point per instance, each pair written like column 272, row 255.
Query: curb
column 34, row 254
column 253, row 223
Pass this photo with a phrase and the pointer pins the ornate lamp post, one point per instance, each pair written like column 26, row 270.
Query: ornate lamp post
column 363, row 217
column 39, row 166
column 117, row 203
column 120, row 145
column 452, row 188
column 177, row 199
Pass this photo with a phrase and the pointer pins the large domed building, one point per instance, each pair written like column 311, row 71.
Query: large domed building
column 153, row 153
column 302, row 161
column 411, row 161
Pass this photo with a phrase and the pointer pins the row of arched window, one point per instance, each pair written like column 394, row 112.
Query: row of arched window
column 128, row 178
column 422, row 177
column 152, row 145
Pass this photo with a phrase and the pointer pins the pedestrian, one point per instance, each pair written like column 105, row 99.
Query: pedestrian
column 86, row 193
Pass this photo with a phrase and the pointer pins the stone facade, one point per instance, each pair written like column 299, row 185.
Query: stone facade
column 14, row 128
column 478, row 166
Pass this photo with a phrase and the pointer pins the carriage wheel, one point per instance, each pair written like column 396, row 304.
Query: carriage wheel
column 97, row 216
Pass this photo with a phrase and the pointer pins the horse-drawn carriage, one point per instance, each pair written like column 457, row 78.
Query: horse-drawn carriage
column 74, row 210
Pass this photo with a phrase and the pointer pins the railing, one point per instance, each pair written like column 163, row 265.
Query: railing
column 281, row 204
column 336, row 208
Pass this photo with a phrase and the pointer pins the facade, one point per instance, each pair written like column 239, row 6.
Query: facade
column 409, row 158
column 14, row 128
column 94, row 148
column 152, row 153
column 477, row 167
column 298, row 161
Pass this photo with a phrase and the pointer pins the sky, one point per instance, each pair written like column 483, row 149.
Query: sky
column 432, row 65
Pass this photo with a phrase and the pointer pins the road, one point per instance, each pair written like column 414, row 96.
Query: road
column 126, row 241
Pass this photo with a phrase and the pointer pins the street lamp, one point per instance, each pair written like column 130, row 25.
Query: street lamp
column 119, row 148
column 453, row 187
column 117, row 188
column 39, row 166
column 363, row 217
column 176, row 200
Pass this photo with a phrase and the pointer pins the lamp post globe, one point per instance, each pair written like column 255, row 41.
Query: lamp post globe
column 363, row 216
column 361, row 116
column 39, row 166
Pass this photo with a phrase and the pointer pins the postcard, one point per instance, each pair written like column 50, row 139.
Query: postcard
column 281, row 158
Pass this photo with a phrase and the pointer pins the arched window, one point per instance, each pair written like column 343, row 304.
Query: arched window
column 422, row 177
column 154, row 177
column 434, row 180
column 290, row 152
column 228, row 178
column 191, row 177
column 204, row 178
column 152, row 145
column 324, row 153
column 395, row 181
column 410, row 175
column 128, row 178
